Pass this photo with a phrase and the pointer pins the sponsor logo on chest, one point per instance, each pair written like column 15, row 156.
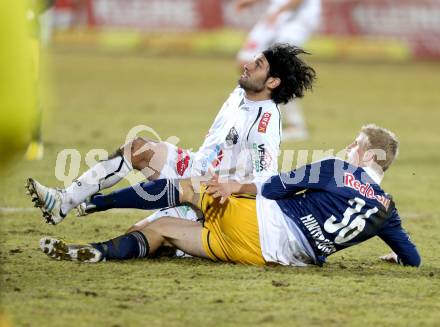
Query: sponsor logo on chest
column 365, row 190
column 262, row 159
column 264, row 122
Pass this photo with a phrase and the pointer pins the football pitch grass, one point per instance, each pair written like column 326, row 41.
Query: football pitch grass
column 99, row 97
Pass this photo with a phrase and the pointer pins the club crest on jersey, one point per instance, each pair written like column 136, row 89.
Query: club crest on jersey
column 262, row 158
column 365, row 189
column 264, row 122
column 232, row 137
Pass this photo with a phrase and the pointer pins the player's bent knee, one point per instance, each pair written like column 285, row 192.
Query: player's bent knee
column 140, row 151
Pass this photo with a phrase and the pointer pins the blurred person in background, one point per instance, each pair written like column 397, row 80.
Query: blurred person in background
column 39, row 16
column 17, row 82
column 287, row 21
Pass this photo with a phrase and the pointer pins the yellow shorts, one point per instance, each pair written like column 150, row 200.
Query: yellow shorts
column 230, row 231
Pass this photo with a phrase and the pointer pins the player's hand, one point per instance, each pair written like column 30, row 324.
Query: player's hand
column 390, row 257
column 243, row 4
column 219, row 190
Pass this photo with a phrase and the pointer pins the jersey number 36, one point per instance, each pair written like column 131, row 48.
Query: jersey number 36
column 351, row 224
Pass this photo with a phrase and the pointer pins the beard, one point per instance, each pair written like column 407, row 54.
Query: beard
column 251, row 86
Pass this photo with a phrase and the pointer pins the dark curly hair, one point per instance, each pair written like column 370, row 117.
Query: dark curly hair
column 295, row 75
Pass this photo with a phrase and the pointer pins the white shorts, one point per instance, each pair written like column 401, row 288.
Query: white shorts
column 288, row 29
column 183, row 212
column 178, row 164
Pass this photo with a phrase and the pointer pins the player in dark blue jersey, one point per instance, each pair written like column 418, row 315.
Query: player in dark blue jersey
column 298, row 218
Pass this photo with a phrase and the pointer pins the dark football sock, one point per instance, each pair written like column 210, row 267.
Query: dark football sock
column 161, row 193
column 128, row 246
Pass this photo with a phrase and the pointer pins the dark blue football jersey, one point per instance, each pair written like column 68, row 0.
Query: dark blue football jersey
column 339, row 205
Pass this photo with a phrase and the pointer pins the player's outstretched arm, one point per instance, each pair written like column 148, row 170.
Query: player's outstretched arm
column 319, row 175
column 404, row 250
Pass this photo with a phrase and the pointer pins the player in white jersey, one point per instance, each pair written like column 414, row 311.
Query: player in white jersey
column 240, row 126
column 242, row 143
column 289, row 21
column 247, row 123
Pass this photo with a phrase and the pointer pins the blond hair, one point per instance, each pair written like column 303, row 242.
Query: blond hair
column 385, row 141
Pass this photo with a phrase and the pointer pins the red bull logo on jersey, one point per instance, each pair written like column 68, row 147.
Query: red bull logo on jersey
column 365, row 189
column 264, row 122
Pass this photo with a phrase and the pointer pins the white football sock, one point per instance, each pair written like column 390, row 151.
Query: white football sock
column 103, row 175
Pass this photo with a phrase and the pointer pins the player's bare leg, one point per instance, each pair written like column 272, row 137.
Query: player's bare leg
column 141, row 241
column 147, row 156
column 142, row 154
column 182, row 234
column 167, row 231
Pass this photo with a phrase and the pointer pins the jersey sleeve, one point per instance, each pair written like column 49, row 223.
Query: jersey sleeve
column 214, row 135
column 398, row 240
column 317, row 175
column 219, row 121
column 264, row 140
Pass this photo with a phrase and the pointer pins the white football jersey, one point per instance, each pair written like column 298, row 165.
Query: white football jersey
column 243, row 142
